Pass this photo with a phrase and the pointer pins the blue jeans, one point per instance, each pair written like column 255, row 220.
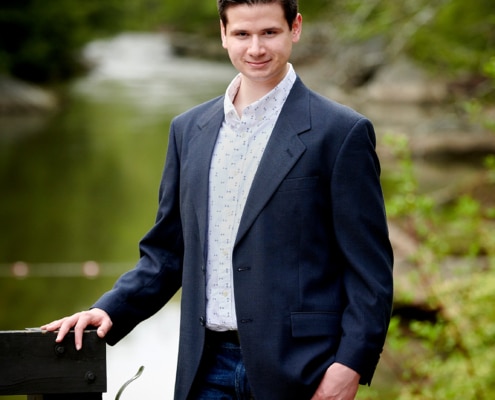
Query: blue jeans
column 222, row 374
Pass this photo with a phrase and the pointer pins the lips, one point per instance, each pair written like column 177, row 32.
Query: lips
column 258, row 64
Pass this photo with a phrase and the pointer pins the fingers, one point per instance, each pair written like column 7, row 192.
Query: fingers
column 104, row 327
column 79, row 328
column 79, row 322
column 66, row 324
column 339, row 382
column 52, row 326
column 63, row 328
column 62, row 325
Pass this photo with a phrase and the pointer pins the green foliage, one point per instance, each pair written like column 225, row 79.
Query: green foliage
column 459, row 37
column 452, row 358
column 451, row 36
column 39, row 40
column 475, row 108
column 462, row 342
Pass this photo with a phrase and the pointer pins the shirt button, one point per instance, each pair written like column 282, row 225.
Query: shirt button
column 202, row 321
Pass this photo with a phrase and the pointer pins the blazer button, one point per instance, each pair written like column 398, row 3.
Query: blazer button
column 202, row 321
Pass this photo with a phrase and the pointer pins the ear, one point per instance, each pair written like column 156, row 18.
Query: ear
column 223, row 34
column 297, row 28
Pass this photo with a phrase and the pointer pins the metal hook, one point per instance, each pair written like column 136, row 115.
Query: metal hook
column 138, row 374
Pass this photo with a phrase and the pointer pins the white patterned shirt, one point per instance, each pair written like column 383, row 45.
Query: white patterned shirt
column 237, row 154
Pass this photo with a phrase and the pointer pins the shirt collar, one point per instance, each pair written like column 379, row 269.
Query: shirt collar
column 273, row 100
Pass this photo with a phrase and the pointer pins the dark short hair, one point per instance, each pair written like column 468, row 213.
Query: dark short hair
column 290, row 7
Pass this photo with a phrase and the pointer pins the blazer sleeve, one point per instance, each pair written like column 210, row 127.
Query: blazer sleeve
column 142, row 291
column 362, row 235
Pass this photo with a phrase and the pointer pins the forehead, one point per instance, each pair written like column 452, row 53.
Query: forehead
column 245, row 16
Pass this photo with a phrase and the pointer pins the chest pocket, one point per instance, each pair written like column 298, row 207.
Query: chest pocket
column 296, row 184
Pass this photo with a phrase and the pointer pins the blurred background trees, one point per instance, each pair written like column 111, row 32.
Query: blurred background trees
column 446, row 353
column 451, row 35
column 39, row 40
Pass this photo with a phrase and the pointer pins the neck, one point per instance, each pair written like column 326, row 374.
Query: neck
column 251, row 91
column 246, row 96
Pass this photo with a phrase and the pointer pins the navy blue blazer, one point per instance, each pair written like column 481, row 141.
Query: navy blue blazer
column 312, row 260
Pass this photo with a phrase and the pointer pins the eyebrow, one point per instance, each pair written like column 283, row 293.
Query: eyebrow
column 240, row 30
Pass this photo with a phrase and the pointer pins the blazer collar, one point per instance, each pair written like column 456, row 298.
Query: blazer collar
column 283, row 150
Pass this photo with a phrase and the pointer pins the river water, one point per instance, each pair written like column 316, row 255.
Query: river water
column 79, row 189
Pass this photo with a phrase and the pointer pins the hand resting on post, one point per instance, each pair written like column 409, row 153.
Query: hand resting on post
column 80, row 321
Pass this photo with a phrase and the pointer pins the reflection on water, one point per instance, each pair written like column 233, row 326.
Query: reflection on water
column 79, row 189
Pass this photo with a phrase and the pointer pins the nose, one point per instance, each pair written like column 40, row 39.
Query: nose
column 255, row 46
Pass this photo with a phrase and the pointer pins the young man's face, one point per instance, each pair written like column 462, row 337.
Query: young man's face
column 259, row 41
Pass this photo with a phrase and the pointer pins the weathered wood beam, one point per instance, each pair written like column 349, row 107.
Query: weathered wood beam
column 32, row 363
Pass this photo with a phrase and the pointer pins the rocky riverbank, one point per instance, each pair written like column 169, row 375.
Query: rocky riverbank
column 19, row 97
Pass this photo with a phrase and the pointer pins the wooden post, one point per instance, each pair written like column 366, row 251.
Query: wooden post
column 32, row 363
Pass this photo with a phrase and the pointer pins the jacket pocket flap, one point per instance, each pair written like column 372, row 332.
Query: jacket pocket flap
column 309, row 324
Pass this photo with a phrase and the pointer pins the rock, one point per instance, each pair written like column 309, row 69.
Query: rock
column 456, row 147
column 196, row 46
column 18, row 97
column 404, row 82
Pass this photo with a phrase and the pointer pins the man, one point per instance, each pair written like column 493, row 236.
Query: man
column 271, row 220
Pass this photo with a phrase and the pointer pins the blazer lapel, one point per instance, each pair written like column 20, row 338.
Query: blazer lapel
column 283, row 150
column 202, row 146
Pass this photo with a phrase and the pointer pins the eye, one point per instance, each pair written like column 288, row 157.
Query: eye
column 270, row 33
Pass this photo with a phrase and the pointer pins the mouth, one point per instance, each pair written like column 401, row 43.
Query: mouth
column 258, row 64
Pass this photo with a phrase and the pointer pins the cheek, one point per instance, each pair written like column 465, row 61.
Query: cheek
column 283, row 50
column 234, row 51
column 233, row 57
